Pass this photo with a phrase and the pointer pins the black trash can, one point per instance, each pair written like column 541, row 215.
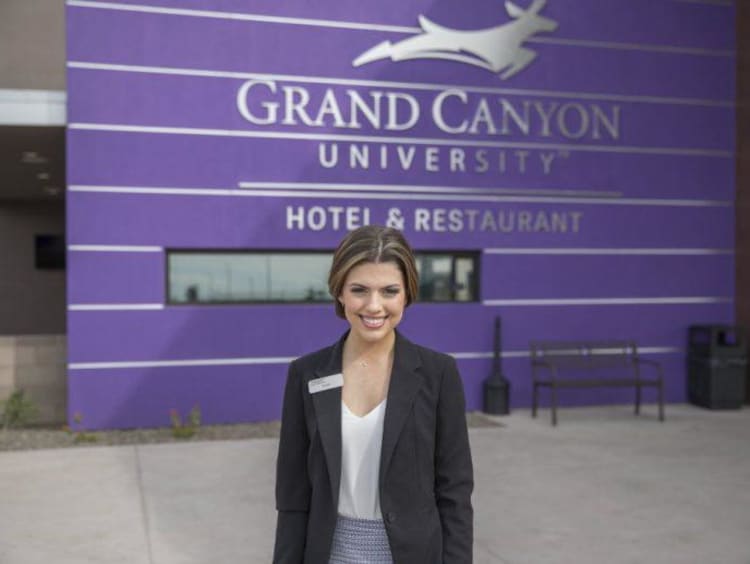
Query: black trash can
column 717, row 366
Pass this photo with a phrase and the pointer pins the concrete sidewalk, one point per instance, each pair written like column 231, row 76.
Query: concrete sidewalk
column 604, row 486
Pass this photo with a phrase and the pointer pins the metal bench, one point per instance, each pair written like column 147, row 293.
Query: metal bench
column 563, row 361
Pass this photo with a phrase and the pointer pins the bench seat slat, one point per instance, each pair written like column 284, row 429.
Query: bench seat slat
column 599, row 383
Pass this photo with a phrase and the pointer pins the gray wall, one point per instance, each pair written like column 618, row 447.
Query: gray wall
column 31, row 301
column 32, row 56
column 32, row 44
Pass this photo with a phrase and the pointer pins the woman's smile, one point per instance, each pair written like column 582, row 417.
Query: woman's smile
column 373, row 322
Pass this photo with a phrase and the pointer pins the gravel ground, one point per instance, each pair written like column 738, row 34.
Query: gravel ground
column 38, row 438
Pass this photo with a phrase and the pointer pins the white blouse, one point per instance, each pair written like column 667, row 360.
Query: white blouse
column 361, row 441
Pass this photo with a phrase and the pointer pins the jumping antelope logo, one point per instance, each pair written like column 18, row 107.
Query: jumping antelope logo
column 495, row 49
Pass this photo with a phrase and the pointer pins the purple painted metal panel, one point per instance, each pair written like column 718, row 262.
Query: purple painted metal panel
column 143, row 397
column 135, row 159
column 223, row 332
column 640, row 21
column 105, row 36
column 561, row 276
column 107, row 277
column 188, row 332
column 260, row 222
column 133, row 102
column 676, row 149
column 116, row 277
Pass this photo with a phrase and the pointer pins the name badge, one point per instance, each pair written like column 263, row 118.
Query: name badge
column 325, row 383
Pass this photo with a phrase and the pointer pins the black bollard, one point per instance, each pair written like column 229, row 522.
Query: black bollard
column 497, row 386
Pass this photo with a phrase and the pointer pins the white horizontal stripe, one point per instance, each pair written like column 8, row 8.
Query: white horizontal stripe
column 158, row 190
column 397, row 196
column 473, row 198
column 364, row 26
column 206, row 132
column 652, row 48
column 609, row 251
column 527, row 354
column 510, row 302
column 32, row 107
column 191, row 362
column 407, row 85
column 237, row 16
column 609, row 301
column 288, row 359
column 116, row 248
column 491, row 251
column 410, row 188
column 114, row 307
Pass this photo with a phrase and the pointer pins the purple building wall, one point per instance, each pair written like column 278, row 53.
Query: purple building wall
column 597, row 181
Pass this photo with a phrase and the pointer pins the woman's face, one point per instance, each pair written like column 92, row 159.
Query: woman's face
column 374, row 297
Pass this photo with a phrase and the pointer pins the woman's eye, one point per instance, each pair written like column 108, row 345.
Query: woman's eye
column 358, row 290
column 391, row 291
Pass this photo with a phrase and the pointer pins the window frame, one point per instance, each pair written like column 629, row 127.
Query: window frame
column 453, row 254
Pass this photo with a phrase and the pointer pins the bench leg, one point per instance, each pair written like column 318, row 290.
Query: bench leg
column 534, row 398
column 661, row 401
column 638, row 399
column 553, row 389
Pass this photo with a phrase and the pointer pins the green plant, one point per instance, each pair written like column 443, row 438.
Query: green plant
column 185, row 429
column 79, row 435
column 18, row 410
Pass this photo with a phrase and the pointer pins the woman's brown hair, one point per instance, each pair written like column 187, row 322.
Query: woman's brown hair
column 372, row 243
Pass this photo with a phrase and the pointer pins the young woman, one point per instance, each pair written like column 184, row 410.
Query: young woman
column 374, row 463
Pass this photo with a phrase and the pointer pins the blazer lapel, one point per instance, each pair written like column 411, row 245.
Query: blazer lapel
column 405, row 383
column 327, row 406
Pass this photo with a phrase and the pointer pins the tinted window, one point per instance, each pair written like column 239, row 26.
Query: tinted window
column 256, row 277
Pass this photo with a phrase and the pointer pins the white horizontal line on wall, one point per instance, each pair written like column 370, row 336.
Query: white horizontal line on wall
column 409, row 188
column 238, row 16
column 114, row 307
column 519, row 199
column 191, row 362
column 679, row 300
column 340, row 81
column 288, row 359
column 157, row 190
column 686, row 300
column 398, row 196
column 207, row 132
column 607, row 251
column 364, row 26
column 490, row 251
column 116, row 248
column 527, row 354
column 650, row 48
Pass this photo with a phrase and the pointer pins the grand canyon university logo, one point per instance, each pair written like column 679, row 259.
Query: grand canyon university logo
column 495, row 49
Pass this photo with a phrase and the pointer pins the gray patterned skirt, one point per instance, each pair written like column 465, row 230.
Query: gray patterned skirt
column 360, row 541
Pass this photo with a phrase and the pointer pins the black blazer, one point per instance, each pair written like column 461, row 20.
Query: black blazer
column 426, row 475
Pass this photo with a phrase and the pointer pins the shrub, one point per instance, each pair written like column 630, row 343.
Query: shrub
column 18, row 410
column 188, row 428
column 79, row 435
